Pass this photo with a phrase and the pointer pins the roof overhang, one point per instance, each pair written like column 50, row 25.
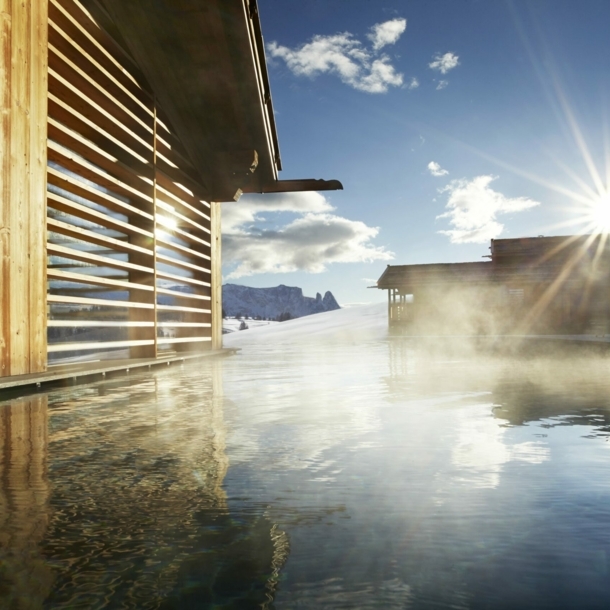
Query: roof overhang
column 205, row 62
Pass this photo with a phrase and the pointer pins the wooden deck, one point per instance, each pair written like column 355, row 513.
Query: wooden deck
column 81, row 372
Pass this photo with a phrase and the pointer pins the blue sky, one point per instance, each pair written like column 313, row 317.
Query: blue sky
column 448, row 121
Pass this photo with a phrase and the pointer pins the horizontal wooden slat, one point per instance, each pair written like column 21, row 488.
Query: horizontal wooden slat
column 176, row 196
column 168, row 260
column 64, row 90
column 180, row 308
column 88, row 257
column 110, row 80
column 165, row 208
column 182, row 295
column 66, row 114
column 137, row 175
column 95, row 238
column 181, row 280
column 94, row 91
column 97, row 323
column 83, row 278
column 178, row 248
column 78, row 24
column 98, row 345
column 185, row 235
column 171, row 340
column 184, row 324
column 68, row 300
column 81, row 167
column 76, row 187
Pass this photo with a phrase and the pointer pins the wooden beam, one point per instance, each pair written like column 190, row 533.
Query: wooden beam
column 216, row 276
column 23, row 160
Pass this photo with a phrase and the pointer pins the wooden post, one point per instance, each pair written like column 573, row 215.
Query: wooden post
column 23, row 166
column 216, row 281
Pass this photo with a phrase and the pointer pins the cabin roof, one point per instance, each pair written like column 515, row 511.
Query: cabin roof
column 514, row 262
column 205, row 62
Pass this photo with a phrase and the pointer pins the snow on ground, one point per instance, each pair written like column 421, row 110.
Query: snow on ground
column 232, row 324
column 357, row 323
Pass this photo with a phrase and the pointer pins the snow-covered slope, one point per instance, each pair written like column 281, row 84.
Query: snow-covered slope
column 360, row 323
column 272, row 302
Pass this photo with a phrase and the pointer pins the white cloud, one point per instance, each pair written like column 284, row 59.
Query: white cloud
column 472, row 209
column 386, row 33
column 436, row 170
column 346, row 57
column 444, row 63
column 309, row 242
column 413, row 84
column 441, row 84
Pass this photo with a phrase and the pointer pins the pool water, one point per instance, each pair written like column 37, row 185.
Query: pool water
column 343, row 474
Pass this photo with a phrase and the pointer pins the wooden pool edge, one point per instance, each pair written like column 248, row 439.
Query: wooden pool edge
column 83, row 372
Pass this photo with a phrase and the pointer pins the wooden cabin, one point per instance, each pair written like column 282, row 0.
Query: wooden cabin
column 124, row 124
column 534, row 285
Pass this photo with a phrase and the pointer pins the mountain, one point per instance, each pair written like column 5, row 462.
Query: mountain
column 282, row 302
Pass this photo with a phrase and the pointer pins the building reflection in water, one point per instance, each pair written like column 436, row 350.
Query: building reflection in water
column 25, row 577
column 137, row 515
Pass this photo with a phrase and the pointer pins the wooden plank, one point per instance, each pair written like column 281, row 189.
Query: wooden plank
column 184, row 324
column 168, row 260
column 84, row 278
column 185, row 235
column 169, row 209
column 105, row 78
column 216, row 275
column 97, row 93
column 178, row 248
column 64, row 90
column 59, row 298
column 180, row 279
column 88, row 257
column 182, row 295
column 175, row 193
column 75, row 20
column 81, row 167
column 81, row 189
column 137, row 175
column 98, row 345
column 174, row 340
column 70, row 207
column 66, row 114
column 23, row 86
column 177, row 308
column 96, row 324
column 69, row 230
column 37, row 255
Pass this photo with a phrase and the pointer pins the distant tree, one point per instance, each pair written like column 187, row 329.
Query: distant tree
column 284, row 316
column 243, row 325
column 224, row 313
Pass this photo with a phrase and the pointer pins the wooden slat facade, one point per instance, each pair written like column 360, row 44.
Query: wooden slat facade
column 97, row 195
column 129, row 231
column 23, row 159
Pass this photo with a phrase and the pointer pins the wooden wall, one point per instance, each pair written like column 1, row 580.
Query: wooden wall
column 23, row 160
column 130, row 265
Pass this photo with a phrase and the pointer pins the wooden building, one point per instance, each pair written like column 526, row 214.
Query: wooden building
column 123, row 125
column 534, row 285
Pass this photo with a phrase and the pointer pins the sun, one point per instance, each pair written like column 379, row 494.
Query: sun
column 600, row 214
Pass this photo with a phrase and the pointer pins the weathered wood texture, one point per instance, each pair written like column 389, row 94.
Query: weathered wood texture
column 23, row 159
column 216, row 238
column 129, row 230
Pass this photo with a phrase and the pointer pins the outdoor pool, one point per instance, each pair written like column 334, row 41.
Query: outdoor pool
column 312, row 474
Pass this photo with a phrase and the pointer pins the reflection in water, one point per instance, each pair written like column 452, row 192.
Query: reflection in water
column 25, row 578
column 137, row 516
column 312, row 475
